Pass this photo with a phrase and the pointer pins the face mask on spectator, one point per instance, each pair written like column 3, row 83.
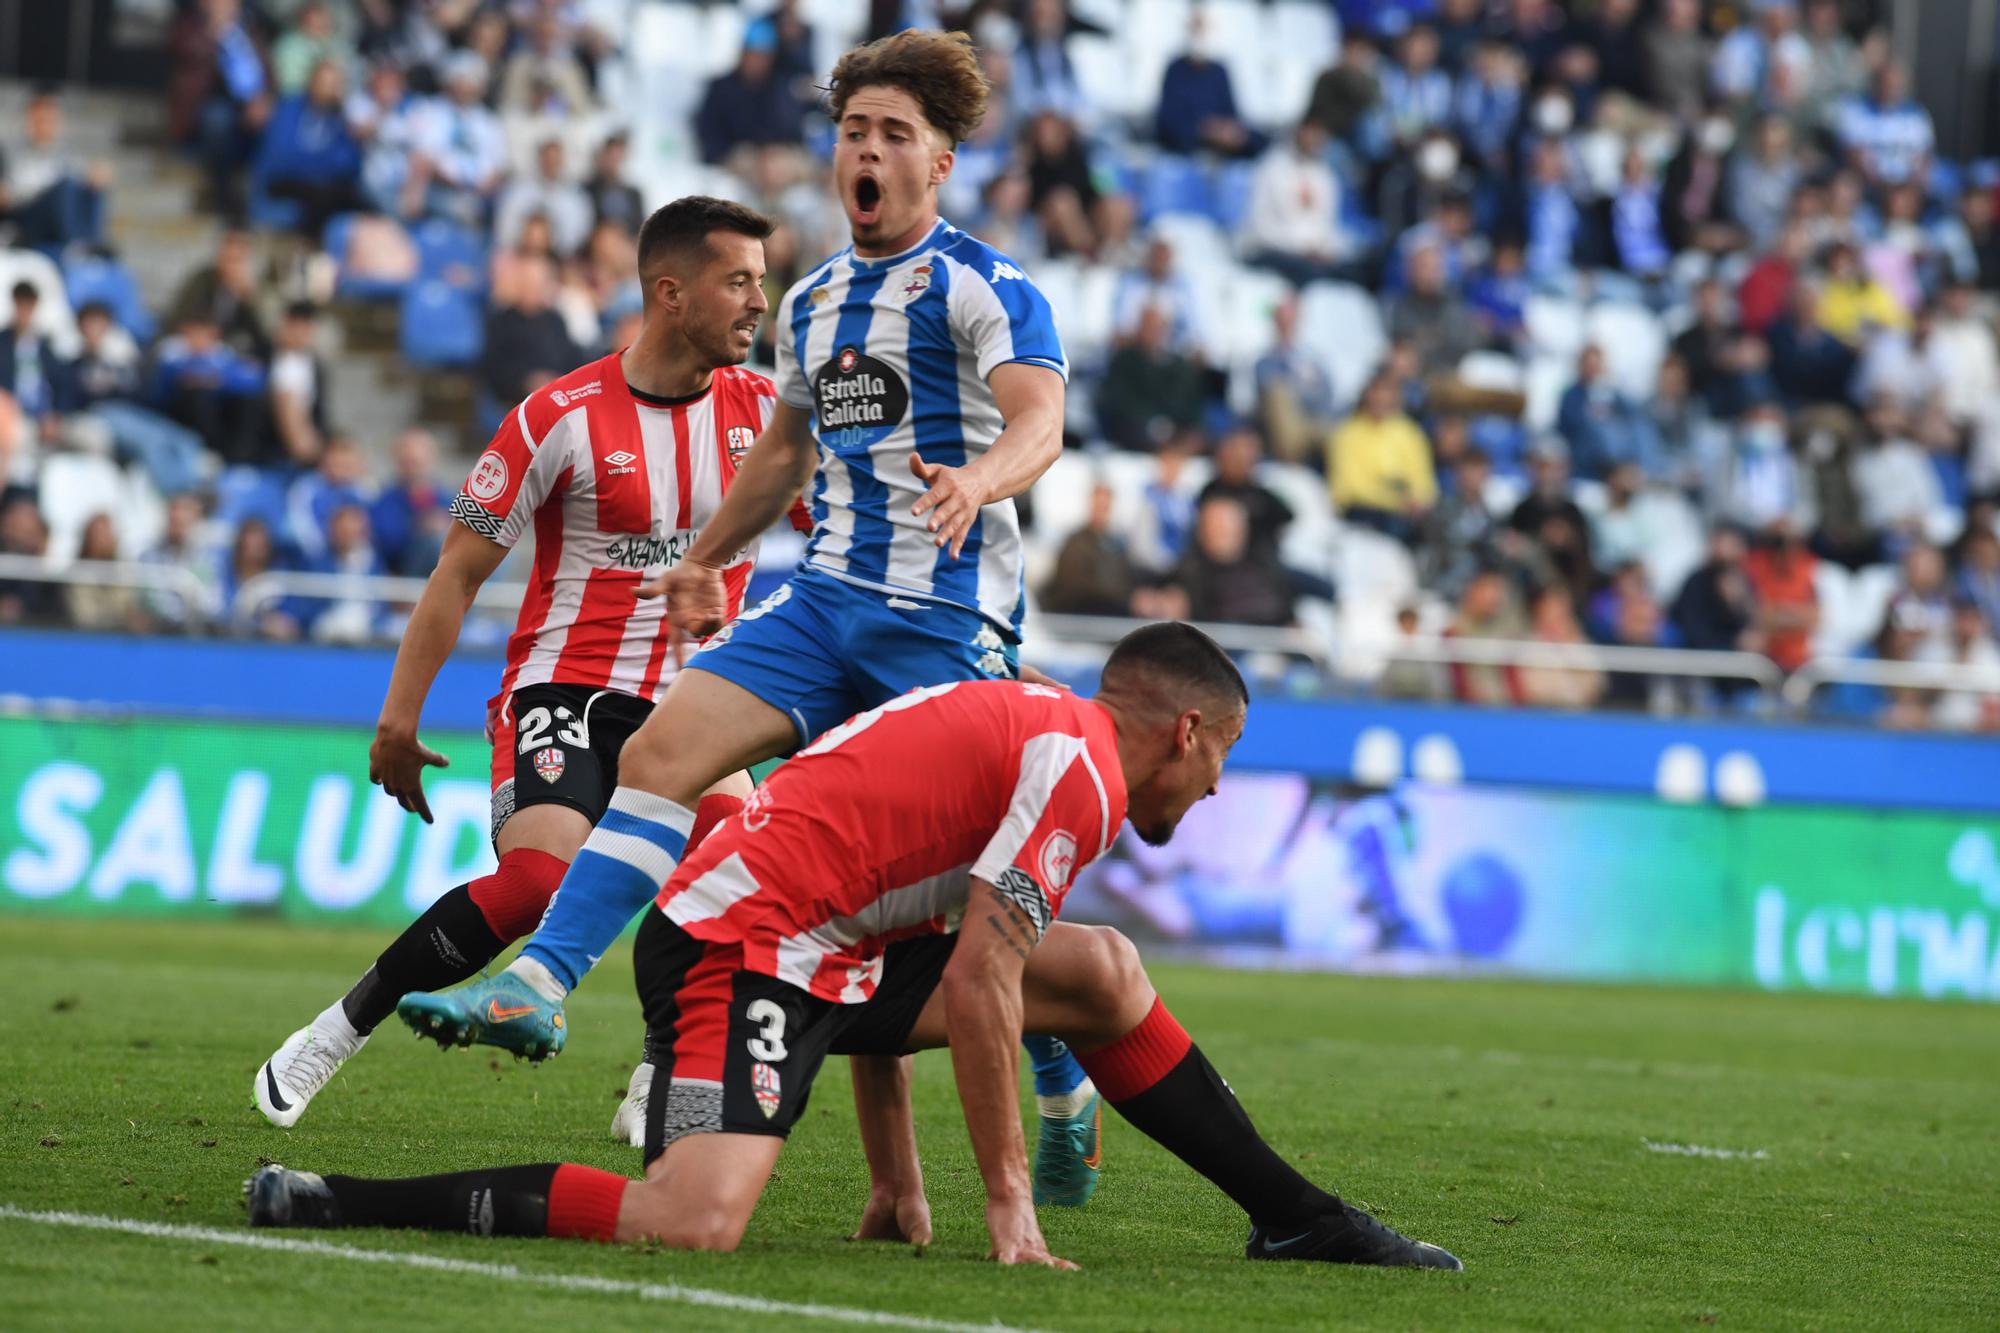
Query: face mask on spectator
column 1717, row 135
column 1438, row 159
column 1764, row 438
column 1554, row 115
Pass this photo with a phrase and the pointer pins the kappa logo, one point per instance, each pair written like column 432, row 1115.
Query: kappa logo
column 740, row 440
column 489, row 477
column 549, row 764
column 1057, row 859
column 988, row 638
column 765, row 1086
column 1003, row 269
column 564, row 397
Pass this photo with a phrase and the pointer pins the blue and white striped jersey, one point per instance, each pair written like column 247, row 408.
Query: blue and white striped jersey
column 890, row 357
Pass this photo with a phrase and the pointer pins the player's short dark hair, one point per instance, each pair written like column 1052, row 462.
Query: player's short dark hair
column 26, row 291
column 681, row 229
column 1177, row 652
column 939, row 69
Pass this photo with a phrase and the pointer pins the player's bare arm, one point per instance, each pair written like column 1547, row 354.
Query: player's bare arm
column 1030, row 399
column 982, row 995
column 896, row 1209
column 397, row 759
column 771, row 476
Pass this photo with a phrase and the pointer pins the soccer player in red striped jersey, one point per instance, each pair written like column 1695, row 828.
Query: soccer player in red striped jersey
column 614, row 467
column 896, row 886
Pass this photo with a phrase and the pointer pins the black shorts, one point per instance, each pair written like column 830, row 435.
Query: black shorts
column 558, row 745
column 736, row 1052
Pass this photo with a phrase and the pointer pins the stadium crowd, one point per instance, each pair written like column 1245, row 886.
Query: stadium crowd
column 1635, row 322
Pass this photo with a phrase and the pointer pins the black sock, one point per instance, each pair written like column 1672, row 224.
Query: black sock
column 501, row 1201
column 443, row 947
column 1193, row 1115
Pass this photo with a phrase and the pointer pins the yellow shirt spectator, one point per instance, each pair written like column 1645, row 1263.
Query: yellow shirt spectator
column 1379, row 459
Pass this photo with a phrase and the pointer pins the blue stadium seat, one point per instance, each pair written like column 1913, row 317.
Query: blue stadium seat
column 1175, row 185
column 265, row 211
column 1232, row 194
column 450, row 253
column 243, row 493
column 338, row 231
column 91, row 277
column 442, row 324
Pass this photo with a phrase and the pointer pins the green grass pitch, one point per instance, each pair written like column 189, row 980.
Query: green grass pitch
column 1508, row 1121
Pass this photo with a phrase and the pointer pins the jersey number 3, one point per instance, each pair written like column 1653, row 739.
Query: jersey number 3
column 769, row 1044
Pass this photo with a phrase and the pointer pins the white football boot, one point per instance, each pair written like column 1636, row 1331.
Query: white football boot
column 306, row 1062
column 629, row 1125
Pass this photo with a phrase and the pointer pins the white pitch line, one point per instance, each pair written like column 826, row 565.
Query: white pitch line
column 600, row 1286
column 1697, row 1150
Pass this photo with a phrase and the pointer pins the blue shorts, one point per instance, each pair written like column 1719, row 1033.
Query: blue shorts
column 820, row 650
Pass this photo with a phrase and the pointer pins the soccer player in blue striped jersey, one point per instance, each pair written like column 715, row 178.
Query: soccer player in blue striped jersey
column 920, row 384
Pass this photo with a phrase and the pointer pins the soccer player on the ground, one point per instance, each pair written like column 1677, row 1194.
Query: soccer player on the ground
column 616, row 466
column 872, row 898
column 922, row 370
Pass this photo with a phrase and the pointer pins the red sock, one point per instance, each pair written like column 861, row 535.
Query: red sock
column 583, row 1202
column 712, row 811
column 1140, row 1058
column 513, row 897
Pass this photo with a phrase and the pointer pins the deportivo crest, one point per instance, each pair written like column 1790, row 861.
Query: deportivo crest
column 764, row 1084
column 489, row 477
column 818, row 296
column 1057, row 859
column 918, row 282
column 549, row 763
column 740, row 440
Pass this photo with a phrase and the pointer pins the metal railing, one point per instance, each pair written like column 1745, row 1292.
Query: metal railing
column 1096, row 634
column 1948, row 676
column 262, row 589
column 200, row 600
column 1104, row 631
column 1680, row 663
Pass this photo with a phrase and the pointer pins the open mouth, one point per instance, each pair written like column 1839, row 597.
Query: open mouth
column 746, row 329
column 867, row 199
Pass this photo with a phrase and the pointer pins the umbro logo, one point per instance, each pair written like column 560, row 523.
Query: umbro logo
column 619, row 459
column 1002, row 269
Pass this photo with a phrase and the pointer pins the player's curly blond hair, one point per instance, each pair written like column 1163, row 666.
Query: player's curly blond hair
column 939, row 69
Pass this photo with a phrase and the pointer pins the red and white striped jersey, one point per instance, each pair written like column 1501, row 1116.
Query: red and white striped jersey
column 616, row 487
column 873, row 833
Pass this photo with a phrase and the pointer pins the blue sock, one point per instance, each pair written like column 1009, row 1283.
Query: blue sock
column 622, row 865
column 1057, row 1073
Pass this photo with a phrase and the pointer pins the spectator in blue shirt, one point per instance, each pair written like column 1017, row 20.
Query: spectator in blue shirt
column 1383, row 18
column 1808, row 364
column 309, row 154
column 748, row 106
column 222, row 93
column 1550, row 219
column 203, row 383
column 1636, row 232
column 409, row 519
column 350, row 618
column 1416, row 94
column 1603, row 427
column 1295, row 408
column 1487, row 105
column 1198, row 103
column 1498, row 294
column 340, row 481
column 108, row 391
column 1887, row 137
